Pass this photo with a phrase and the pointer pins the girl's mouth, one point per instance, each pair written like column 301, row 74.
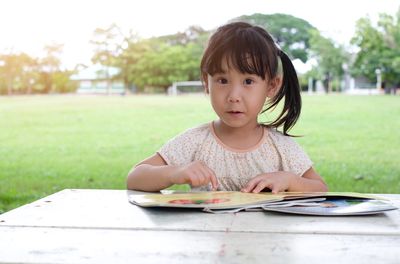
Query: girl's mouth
column 235, row 113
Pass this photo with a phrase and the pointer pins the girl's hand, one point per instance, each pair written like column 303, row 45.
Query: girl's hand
column 279, row 181
column 196, row 174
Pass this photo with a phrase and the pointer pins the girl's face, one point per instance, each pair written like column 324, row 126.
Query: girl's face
column 237, row 97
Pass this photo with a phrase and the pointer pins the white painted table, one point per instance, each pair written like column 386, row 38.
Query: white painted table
column 101, row 226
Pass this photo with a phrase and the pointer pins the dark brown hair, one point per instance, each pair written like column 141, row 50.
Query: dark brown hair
column 251, row 49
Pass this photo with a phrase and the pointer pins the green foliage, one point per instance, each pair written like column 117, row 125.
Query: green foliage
column 23, row 74
column 165, row 64
column 330, row 58
column 62, row 82
column 53, row 142
column 153, row 63
column 16, row 73
column 107, row 44
column 291, row 33
column 379, row 48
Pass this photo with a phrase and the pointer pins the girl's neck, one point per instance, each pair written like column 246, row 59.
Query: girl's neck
column 241, row 138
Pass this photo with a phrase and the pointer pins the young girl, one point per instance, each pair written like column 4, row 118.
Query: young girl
column 242, row 70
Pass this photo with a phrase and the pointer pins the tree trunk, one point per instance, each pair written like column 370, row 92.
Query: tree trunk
column 9, row 86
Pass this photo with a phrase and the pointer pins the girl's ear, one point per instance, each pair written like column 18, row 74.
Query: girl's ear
column 206, row 87
column 205, row 84
column 274, row 85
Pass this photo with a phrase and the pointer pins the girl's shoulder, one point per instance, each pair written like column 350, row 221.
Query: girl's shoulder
column 278, row 137
column 198, row 130
column 273, row 132
column 196, row 133
column 182, row 148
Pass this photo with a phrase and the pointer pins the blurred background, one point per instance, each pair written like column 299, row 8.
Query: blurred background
column 145, row 46
column 90, row 88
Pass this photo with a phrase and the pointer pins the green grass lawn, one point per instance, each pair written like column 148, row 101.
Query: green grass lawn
column 49, row 143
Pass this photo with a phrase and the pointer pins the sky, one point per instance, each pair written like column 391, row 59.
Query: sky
column 28, row 26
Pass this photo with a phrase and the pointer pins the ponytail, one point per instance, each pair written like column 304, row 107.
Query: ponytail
column 290, row 90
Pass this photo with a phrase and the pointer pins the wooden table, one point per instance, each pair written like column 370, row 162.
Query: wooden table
column 101, row 226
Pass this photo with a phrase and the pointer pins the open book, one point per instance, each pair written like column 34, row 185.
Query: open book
column 312, row 203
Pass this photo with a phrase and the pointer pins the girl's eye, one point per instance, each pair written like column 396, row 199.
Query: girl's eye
column 248, row 81
column 222, row 81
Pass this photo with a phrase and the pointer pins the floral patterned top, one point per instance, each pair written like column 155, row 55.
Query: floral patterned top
column 232, row 167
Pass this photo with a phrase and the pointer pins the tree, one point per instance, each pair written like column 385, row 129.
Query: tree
column 50, row 66
column 21, row 73
column 379, row 48
column 160, row 61
column 164, row 64
column 62, row 82
column 291, row 33
column 17, row 73
column 110, row 45
column 330, row 59
column 107, row 46
column 193, row 34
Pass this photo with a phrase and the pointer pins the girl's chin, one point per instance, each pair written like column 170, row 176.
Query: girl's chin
column 234, row 123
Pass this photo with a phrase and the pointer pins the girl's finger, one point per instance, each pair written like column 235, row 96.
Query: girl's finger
column 196, row 179
column 213, row 179
column 275, row 190
column 260, row 186
column 251, row 184
column 210, row 176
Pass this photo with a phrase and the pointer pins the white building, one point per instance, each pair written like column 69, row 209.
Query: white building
column 98, row 79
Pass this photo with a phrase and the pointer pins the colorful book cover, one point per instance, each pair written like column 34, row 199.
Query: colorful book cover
column 213, row 200
column 317, row 203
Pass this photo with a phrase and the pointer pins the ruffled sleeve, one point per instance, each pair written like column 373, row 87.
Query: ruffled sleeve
column 182, row 148
column 293, row 157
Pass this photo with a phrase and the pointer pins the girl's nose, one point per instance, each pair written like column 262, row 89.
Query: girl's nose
column 233, row 99
column 234, row 94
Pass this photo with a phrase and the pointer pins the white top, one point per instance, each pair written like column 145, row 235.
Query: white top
column 232, row 167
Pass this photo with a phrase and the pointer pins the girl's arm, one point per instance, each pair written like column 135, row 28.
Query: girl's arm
column 311, row 181
column 153, row 174
column 282, row 181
